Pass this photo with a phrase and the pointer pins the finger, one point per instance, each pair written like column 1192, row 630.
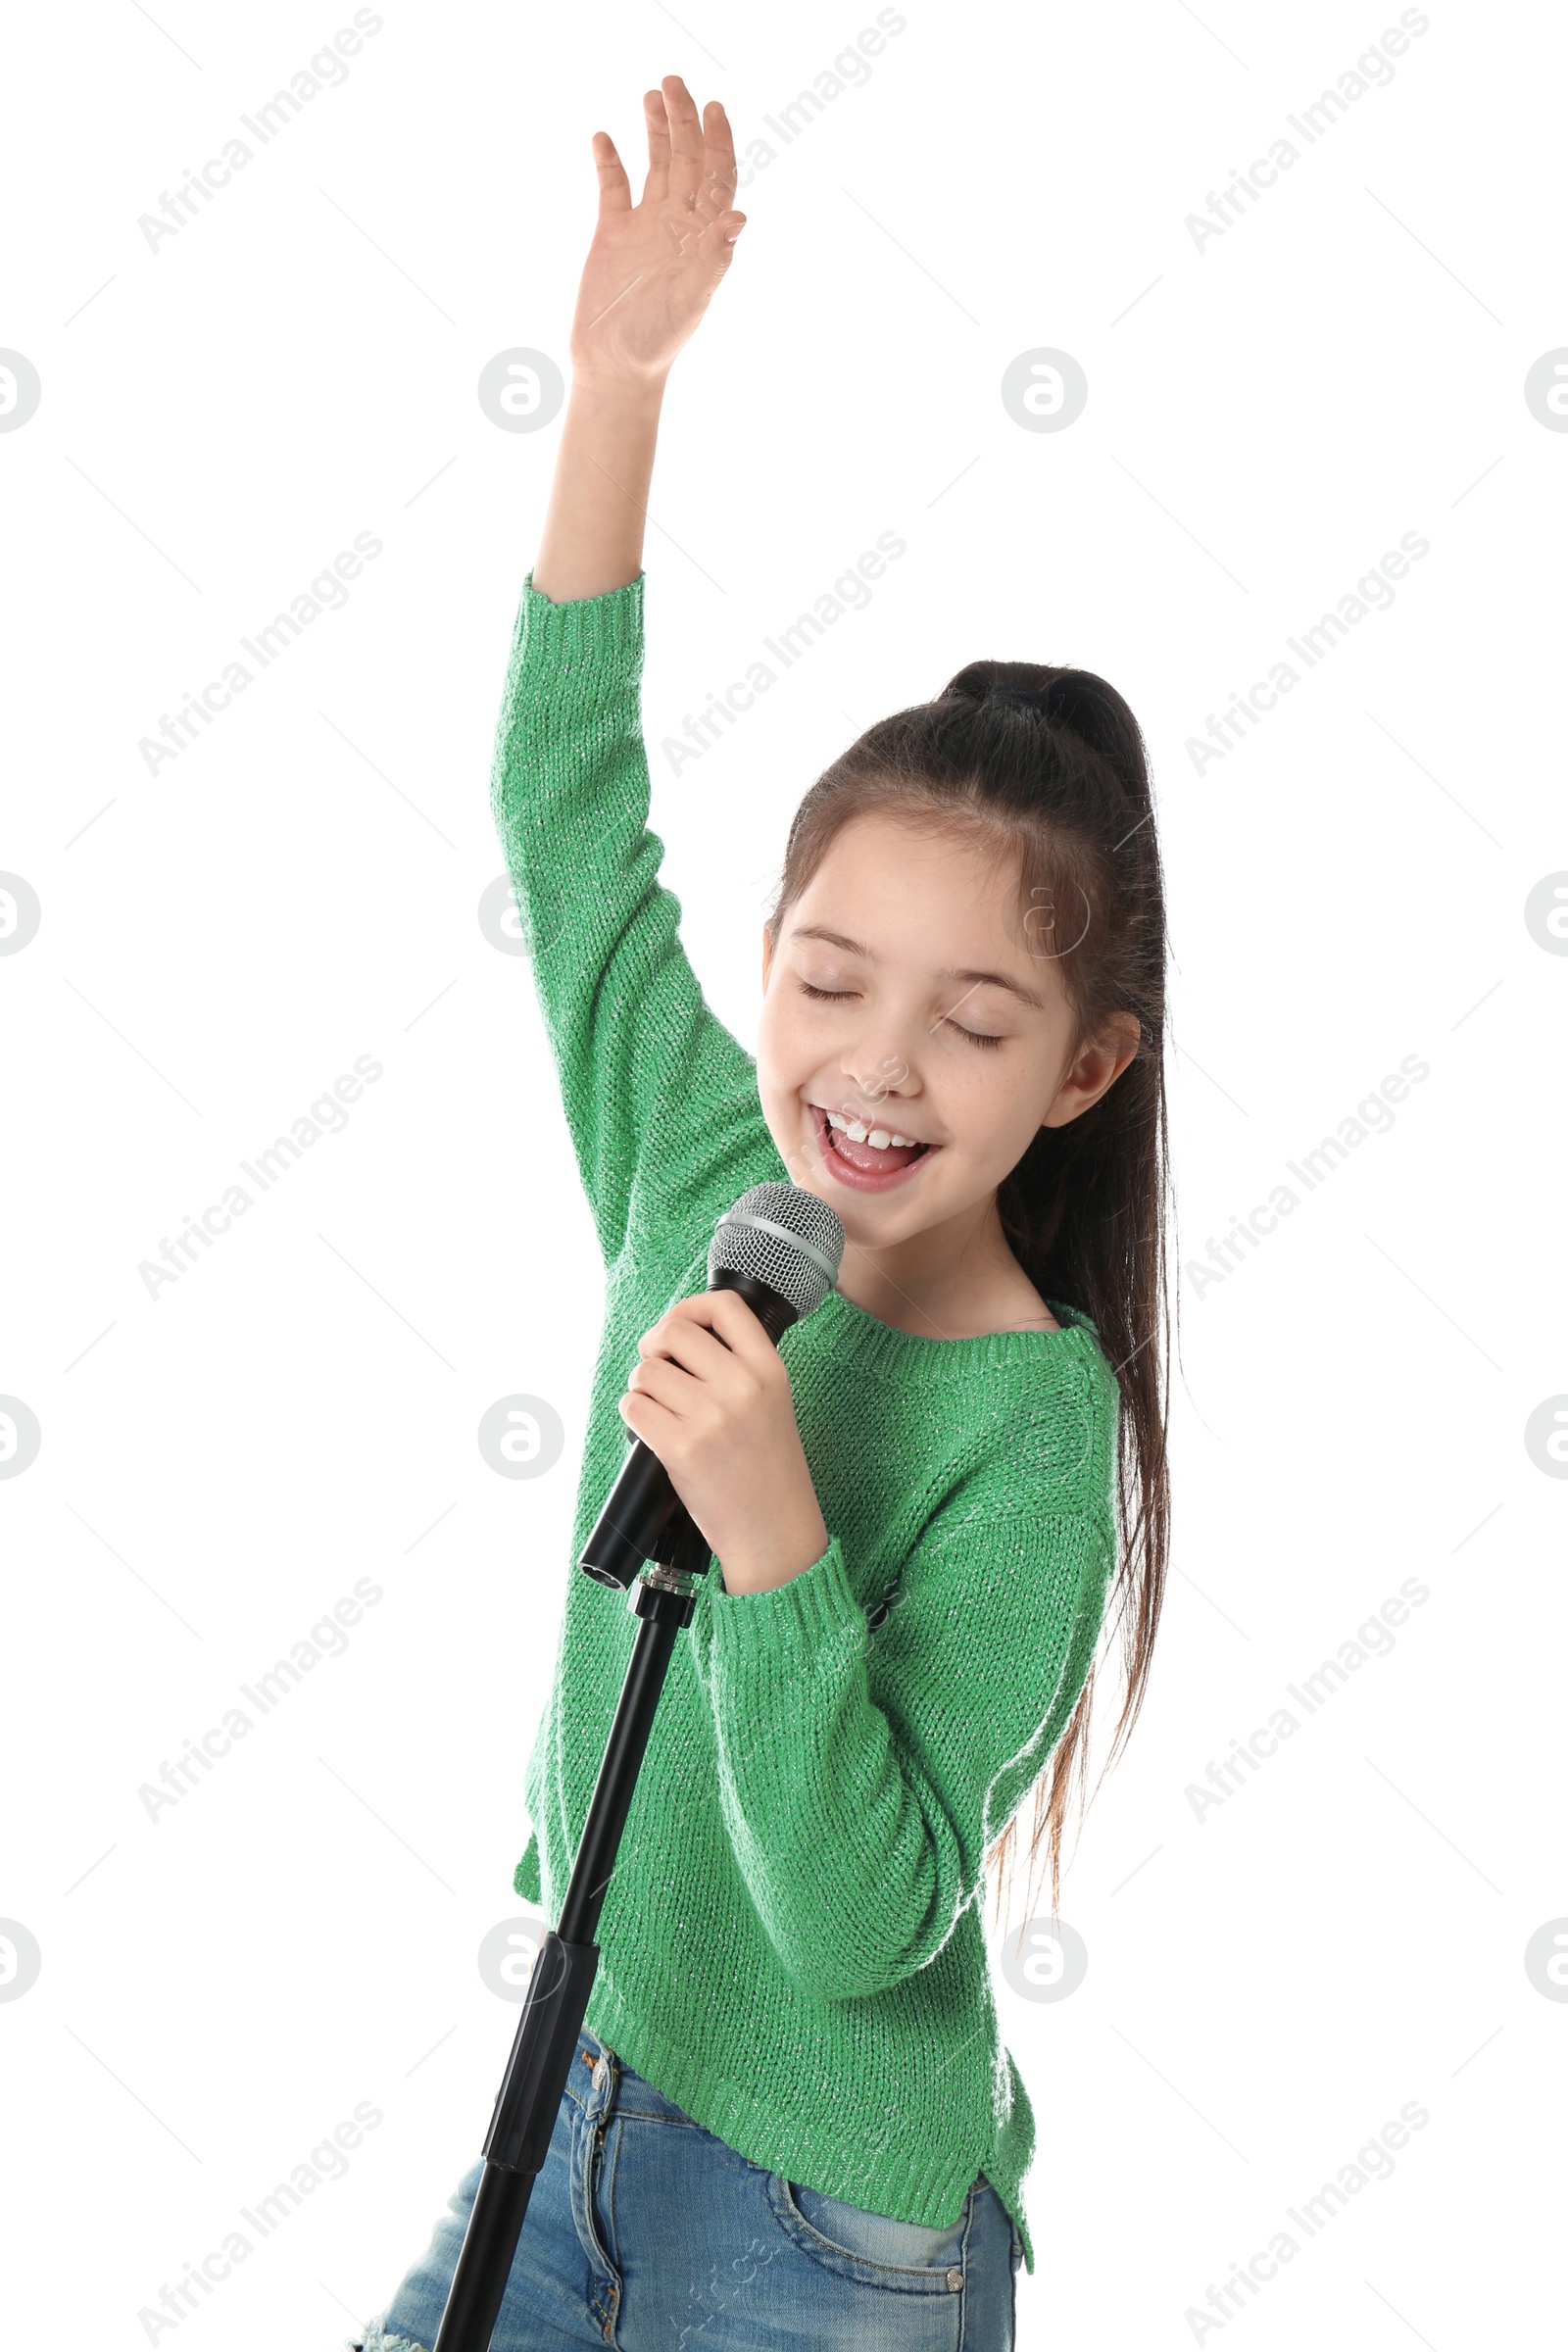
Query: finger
column 716, row 244
column 655, row 187
column 648, row 1420
column 685, row 141
column 614, row 190
column 667, row 1385
column 679, row 1340
column 718, row 162
column 739, row 1328
column 726, row 1314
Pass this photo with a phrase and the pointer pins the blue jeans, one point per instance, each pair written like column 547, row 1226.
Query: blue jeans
column 645, row 2232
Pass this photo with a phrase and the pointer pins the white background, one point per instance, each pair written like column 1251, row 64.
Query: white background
column 1267, row 1984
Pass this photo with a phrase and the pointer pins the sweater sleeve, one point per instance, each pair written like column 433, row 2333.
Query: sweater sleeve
column 526, row 1877
column 862, row 1777
column 658, row 1095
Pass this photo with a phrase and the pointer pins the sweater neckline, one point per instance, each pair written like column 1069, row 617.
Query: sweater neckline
column 987, row 1349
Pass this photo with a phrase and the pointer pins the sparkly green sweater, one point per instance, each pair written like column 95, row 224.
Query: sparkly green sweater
column 792, row 1944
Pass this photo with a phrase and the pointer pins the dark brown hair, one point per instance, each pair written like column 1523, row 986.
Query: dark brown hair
column 1046, row 767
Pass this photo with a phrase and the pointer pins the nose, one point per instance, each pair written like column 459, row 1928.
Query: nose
column 876, row 1081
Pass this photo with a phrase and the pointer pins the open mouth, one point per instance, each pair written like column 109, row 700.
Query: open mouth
column 861, row 1165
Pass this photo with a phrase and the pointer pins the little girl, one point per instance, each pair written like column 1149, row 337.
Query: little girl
column 791, row 2121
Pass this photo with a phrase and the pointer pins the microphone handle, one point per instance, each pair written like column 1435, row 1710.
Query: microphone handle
column 643, row 1518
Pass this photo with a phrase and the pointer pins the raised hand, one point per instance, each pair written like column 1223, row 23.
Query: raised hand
column 652, row 266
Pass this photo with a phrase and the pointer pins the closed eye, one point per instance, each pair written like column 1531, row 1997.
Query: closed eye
column 835, row 996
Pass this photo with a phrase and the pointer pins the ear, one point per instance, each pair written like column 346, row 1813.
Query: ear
column 1094, row 1070
column 768, row 955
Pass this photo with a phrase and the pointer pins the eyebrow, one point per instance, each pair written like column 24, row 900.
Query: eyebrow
column 836, row 939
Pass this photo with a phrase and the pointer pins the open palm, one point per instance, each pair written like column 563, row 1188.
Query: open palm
column 652, row 266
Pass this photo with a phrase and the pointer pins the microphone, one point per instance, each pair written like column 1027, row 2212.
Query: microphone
column 780, row 1247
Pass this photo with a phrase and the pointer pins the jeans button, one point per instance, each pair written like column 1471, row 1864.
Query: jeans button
column 955, row 2280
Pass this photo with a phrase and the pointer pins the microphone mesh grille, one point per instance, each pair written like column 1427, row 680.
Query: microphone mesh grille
column 784, row 1261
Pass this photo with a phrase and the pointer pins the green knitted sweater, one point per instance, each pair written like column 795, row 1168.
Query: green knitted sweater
column 792, row 1943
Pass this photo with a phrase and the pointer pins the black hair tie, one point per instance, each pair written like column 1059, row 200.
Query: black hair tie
column 1038, row 698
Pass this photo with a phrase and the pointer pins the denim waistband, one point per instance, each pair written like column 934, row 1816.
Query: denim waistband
column 600, row 2082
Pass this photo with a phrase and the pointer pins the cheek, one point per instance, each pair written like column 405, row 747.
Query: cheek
column 785, row 1052
column 776, row 1082
column 996, row 1112
column 768, row 1044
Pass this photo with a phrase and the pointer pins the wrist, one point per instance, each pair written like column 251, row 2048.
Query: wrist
column 763, row 1567
column 618, row 391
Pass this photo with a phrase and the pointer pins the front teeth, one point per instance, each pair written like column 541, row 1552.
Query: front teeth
column 879, row 1137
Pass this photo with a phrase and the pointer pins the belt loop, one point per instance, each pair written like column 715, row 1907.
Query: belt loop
column 603, row 2072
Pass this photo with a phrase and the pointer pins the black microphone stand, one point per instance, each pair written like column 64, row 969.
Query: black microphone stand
column 663, row 1597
